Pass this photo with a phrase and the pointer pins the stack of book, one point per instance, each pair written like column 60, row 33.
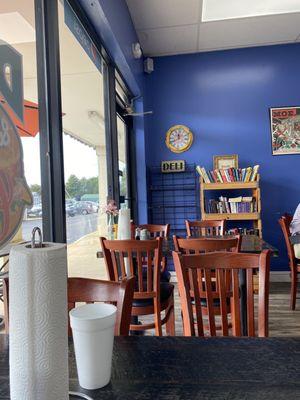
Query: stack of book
column 233, row 205
column 248, row 174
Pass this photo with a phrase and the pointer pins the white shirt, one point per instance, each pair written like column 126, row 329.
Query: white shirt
column 295, row 224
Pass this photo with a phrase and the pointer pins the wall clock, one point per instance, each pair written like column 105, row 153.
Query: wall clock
column 179, row 138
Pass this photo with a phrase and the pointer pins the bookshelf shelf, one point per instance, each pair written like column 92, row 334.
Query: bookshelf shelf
column 231, row 185
column 250, row 216
column 232, row 216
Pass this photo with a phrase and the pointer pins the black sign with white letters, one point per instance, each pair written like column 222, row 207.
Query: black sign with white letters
column 11, row 78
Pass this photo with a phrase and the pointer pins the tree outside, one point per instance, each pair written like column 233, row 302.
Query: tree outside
column 75, row 187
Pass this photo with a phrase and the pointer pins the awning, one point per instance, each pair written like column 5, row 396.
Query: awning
column 30, row 126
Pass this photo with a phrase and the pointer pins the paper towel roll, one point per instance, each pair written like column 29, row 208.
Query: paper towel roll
column 38, row 342
column 124, row 231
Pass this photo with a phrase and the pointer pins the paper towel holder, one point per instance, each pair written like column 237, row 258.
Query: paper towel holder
column 36, row 244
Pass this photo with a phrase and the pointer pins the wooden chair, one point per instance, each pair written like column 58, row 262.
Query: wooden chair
column 191, row 268
column 207, row 245
column 155, row 231
column 125, row 258
column 294, row 263
column 205, row 228
column 84, row 290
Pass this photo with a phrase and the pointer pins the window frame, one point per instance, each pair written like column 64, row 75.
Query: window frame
column 50, row 118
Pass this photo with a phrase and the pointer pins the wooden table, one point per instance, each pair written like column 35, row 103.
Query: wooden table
column 146, row 368
column 250, row 244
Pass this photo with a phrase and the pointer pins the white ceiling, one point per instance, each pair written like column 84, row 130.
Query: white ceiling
column 167, row 27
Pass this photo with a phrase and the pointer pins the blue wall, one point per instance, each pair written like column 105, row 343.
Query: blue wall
column 224, row 98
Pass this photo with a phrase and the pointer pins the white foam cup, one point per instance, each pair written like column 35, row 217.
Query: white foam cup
column 93, row 335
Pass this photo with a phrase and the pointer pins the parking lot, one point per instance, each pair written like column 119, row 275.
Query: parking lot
column 77, row 226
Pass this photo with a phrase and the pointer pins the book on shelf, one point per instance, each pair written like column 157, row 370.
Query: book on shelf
column 228, row 175
column 232, row 205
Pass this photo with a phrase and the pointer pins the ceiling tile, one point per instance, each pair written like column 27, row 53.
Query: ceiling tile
column 249, row 31
column 214, row 10
column 180, row 39
column 149, row 14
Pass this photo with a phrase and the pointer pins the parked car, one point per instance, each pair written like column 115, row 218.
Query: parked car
column 70, row 210
column 79, row 208
column 35, row 211
column 84, row 207
column 95, row 206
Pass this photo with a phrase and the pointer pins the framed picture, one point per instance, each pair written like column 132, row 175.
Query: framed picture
column 224, row 162
column 285, row 130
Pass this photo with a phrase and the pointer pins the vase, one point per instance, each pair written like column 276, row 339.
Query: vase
column 110, row 227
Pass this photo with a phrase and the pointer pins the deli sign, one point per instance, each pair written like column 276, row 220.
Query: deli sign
column 173, row 166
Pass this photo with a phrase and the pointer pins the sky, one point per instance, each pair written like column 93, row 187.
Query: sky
column 79, row 159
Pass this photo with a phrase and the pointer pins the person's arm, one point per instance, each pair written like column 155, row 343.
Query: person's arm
column 295, row 224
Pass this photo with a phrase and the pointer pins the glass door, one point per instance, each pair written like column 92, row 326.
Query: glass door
column 84, row 143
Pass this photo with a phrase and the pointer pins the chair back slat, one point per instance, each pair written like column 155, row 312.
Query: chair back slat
column 149, row 272
column 205, row 228
column 194, row 283
column 141, row 257
column 250, row 303
column 263, row 294
column 121, row 258
column 140, row 271
column 222, row 287
column 131, row 263
column 235, row 304
column 209, row 301
column 218, row 278
column 115, row 266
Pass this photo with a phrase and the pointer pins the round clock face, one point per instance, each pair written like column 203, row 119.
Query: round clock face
column 179, row 138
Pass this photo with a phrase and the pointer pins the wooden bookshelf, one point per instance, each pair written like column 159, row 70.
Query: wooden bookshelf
column 255, row 192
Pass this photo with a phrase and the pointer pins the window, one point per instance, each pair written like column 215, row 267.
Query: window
column 84, row 143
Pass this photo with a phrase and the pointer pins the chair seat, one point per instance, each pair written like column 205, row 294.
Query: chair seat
column 166, row 290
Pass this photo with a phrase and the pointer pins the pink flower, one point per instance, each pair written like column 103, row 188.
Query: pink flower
column 111, row 208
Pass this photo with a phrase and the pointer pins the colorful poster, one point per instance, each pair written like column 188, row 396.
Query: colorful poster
column 14, row 192
column 285, row 130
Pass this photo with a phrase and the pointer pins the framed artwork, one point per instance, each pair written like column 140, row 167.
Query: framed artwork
column 285, row 130
column 224, row 162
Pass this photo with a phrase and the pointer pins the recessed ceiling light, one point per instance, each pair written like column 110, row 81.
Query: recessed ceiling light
column 15, row 29
column 215, row 10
